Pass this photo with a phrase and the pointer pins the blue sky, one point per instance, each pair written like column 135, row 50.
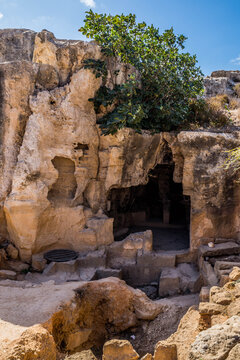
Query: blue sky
column 212, row 26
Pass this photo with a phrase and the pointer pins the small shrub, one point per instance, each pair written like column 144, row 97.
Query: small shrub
column 237, row 89
column 208, row 113
column 234, row 104
column 219, row 102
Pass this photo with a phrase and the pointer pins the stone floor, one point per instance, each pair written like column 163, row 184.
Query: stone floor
column 167, row 238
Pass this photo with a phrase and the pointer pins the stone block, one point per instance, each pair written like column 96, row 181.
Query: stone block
column 220, row 296
column 208, row 274
column 124, row 253
column 148, row 268
column 204, row 294
column 165, row 351
column 235, row 274
column 65, row 267
column 83, row 355
column 227, row 248
column 206, row 308
column 38, row 262
column 85, row 240
column 190, row 279
column 77, row 338
column 93, row 259
column 12, row 252
column 156, row 259
column 18, row 266
column 223, row 240
column 224, row 267
column 138, row 275
column 118, row 257
column 185, row 256
column 105, row 273
column 224, row 279
column 140, row 240
column 103, row 227
column 7, row 274
column 169, row 282
column 119, row 350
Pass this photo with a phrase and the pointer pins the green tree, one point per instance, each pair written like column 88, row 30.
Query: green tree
column 157, row 96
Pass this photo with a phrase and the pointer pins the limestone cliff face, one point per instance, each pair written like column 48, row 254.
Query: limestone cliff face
column 221, row 82
column 56, row 169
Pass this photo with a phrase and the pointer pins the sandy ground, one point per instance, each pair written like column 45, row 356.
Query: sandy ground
column 33, row 305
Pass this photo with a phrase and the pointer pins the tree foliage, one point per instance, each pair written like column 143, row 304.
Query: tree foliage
column 157, row 95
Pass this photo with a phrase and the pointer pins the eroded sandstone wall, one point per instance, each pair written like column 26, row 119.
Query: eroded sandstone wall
column 56, row 169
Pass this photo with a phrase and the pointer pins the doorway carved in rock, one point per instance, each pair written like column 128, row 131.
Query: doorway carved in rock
column 159, row 205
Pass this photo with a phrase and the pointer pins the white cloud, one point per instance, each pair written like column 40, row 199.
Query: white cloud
column 1, row 15
column 89, row 3
column 236, row 61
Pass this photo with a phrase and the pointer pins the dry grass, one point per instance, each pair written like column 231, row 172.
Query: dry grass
column 237, row 90
column 212, row 112
column 234, row 104
column 219, row 102
column 216, row 112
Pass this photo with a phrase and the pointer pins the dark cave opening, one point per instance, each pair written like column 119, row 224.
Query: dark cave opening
column 159, row 205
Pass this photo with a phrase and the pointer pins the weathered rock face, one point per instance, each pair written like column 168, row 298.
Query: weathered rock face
column 216, row 342
column 211, row 332
column 221, row 82
column 56, row 169
column 16, row 44
column 34, row 343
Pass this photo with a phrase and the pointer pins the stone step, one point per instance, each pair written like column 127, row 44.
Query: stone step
column 181, row 279
column 225, row 265
column 105, row 273
column 227, row 248
column 157, row 259
column 223, row 269
column 147, row 267
column 208, row 274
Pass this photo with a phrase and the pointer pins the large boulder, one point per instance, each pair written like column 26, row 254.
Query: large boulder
column 216, row 342
column 35, row 343
column 101, row 308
